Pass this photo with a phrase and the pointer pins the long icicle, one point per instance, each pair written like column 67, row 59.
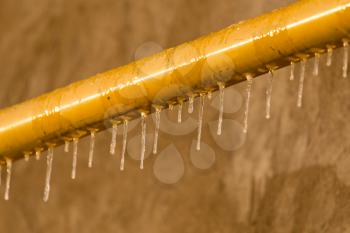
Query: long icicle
column 221, row 106
column 125, row 136
column 269, row 96
column 49, row 159
column 156, row 130
column 92, row 148
column 247, row 102
column 143, row 138
column 301, row 83
column 292, row 69
column 179, row 112
column 114, row 138
column 346, row 58
column 190, row 103
column 316, row 64
column 200, row 121
column 329, row 56
column 75, row 157
column 8, row 179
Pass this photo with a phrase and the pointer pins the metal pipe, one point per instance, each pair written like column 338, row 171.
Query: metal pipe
column 255, row 46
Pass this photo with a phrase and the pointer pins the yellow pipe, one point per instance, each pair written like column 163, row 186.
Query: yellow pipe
column 268, row 42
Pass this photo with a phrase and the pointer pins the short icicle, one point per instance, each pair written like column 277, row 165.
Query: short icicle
column 26, row 156
column 125, row 136
column 143, row 138
column 66, row 146
column 221, row 106
column 292, row 69
column 190, row 103
column 49, row 159
column 329, row 56
column 249, row 78
column 156, row 130
column 75, row 157
column 179, row 112
column 0, row 174
column 92, row 148
column 301, row 83
column 37, row 154
column 316, row 64
column 200, row 121
column 8, row 179
column 345, row 58
column 269, row 96
column 114, row 138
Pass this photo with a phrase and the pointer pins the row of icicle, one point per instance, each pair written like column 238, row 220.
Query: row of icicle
column 158, row 110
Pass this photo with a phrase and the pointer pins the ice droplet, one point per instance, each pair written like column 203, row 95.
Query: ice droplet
column 316, row 64
column 156, row 131
column 8, row 179
column 125, row 136
column 114, row 139
column 221, row 106
column 329, row 56
column 269, row 95
column 200, row 120
column 301, row 83
column 247, row 102
column 346, row 58
column 75, row 157
column 92, row 148
column 143, row 138
column 49, row 159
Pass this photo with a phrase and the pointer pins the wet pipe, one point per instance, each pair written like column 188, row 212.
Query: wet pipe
column 254, row 47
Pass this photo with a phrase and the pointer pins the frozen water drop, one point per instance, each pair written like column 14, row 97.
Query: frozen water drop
column 114, row 139
column 125, row 136
column 200, row 121
column 156, row 130
column 269, row 96
column 221, row 106
column 190, row 104
column 316, row 64
column 301, row 83
column 66, row 146
column 75, row 157
column 247, row 101
column 345, row 58
column 143, row 138
column 8, row 179
column 179, row 112
column 49, row 159
column 329, row 56
column 292, row 69
column 92, row 148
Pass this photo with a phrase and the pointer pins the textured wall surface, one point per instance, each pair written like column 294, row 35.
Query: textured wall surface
column 289, row 174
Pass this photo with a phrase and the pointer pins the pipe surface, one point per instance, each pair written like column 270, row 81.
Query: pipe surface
column 255, row 46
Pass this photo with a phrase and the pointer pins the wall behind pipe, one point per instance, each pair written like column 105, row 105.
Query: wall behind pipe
column 290, row 174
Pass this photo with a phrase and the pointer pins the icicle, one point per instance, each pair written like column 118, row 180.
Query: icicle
column 190, row 104
column 26, row 156
column 156, row 131
column 210, row 95
column 301, row 83
column 179, row 112
column 292, row 69
column 247, row 102
column 8, row 179
column 221, row 106
column 346, row 58
column 200, row 121
column 125, row 135
column 114, row 139
column 66, row 146
column 75, row 157
column 269, row 96
column 48, row 174
column 329, row 56
column 316, row 64
column 171, row 107
column 0, row 175
column 37, row 154
column 92, row 148
column 143, row 138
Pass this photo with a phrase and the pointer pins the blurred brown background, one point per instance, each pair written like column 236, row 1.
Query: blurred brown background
column 290, row 174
